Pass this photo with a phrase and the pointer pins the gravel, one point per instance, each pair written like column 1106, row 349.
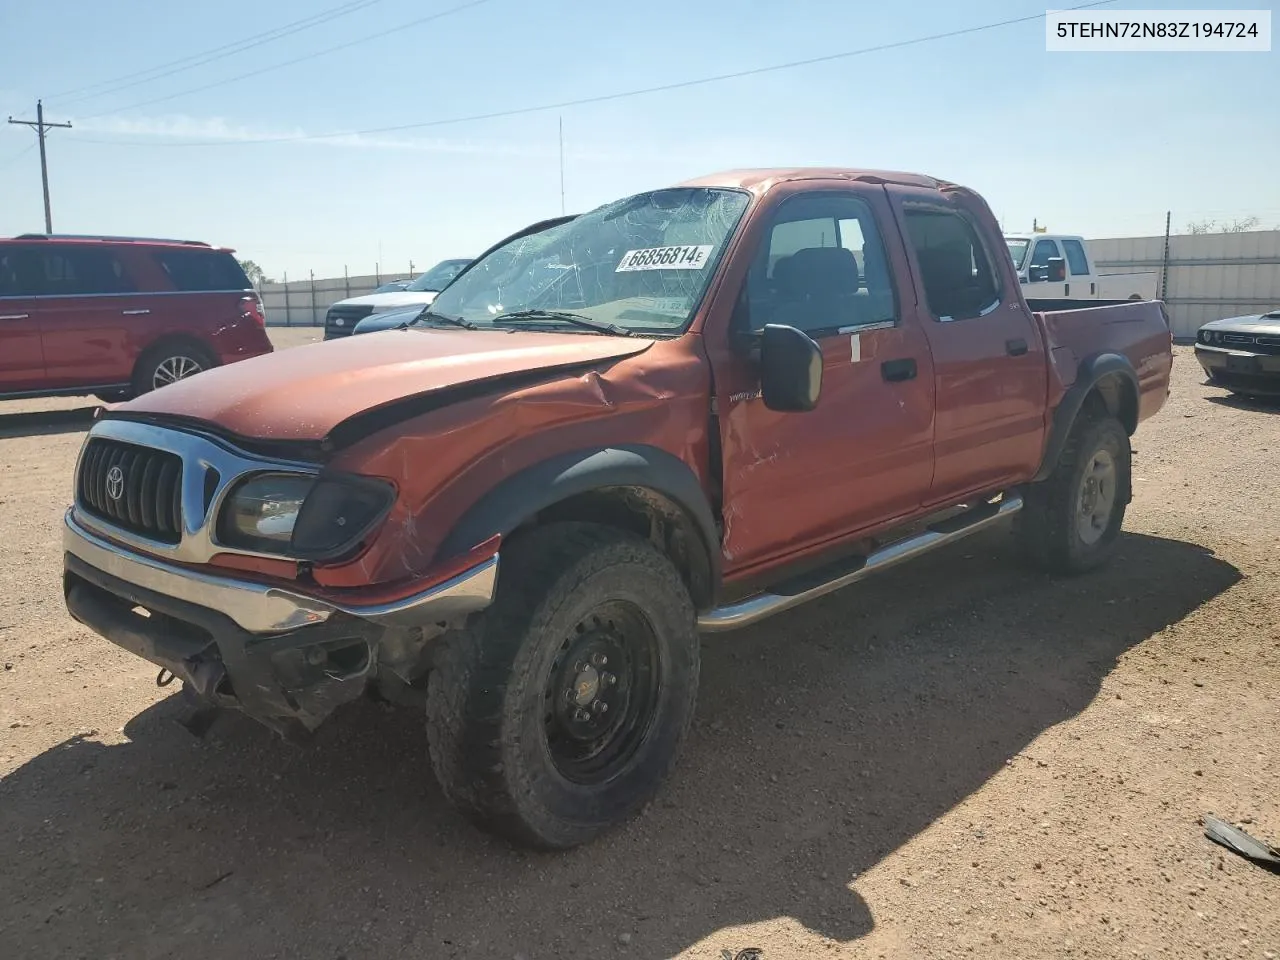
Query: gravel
column 959, row 758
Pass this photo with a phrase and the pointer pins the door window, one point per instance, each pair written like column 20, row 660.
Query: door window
column 19, row 272
column 1045, row 249
column 955, row 268
column 821, row 268
column 1076, row 259
column 71, row 271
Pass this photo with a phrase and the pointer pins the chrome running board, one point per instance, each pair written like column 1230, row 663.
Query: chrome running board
column 792, row 593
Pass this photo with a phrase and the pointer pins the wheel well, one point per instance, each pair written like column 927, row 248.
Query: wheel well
column 1120, row 398
column 649, row 514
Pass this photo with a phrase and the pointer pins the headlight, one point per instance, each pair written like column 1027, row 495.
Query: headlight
column 1204, row 336
column 303, row 517
column 260, row 513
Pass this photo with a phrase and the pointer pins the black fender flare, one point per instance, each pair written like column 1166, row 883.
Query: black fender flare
column 1091, row 372
column 554, row 480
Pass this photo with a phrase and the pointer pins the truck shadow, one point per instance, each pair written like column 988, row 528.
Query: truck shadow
column 38, row 423
column 825, row 740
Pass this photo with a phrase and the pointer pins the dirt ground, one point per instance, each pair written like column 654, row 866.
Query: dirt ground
column 960, row 758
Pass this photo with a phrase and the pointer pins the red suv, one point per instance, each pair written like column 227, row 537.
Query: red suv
column 118, row 316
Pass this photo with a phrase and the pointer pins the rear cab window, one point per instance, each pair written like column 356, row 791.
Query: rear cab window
column 195, row 270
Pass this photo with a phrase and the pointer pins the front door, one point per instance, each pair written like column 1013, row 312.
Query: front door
column 794, row 481
column 988, row 359
column 21, row 362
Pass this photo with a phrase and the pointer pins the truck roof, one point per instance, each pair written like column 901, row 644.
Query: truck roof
column 759, row 180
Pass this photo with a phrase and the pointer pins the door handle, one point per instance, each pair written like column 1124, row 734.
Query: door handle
column 15, row 316
column 134, row 313
column 1015, row 348
column 895, row 371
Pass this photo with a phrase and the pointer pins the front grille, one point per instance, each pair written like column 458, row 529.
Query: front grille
column 340, row 321
column 137, row 488
column 1268, row 344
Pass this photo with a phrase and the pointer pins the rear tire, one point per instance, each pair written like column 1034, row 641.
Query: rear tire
column 585, row 615
column 1071, row 521
column 169, row 363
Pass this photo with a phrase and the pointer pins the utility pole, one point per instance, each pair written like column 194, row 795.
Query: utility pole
column 1164, row 270
column 39, row 126
column 562, row 166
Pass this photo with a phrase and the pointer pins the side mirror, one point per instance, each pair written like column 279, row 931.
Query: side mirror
column 790, row 369
column 1037, row 274
column 1057, row 270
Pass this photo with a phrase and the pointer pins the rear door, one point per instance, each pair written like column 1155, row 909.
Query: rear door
column 88, row 310
column 988, row 360
column 21, row 361
column 794, row 481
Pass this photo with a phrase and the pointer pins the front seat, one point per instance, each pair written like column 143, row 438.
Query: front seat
column 818, row 289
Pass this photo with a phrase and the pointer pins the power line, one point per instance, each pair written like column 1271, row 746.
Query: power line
column 41, row 127
column 14, row 158
column 289, row 63
column 603, row 98
column 194, row 60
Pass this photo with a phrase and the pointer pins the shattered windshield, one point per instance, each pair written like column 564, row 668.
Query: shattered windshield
column 641, row 264
column 1017, row 250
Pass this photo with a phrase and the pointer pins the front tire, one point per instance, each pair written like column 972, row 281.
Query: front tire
column 559, row 711
column 1071, row 521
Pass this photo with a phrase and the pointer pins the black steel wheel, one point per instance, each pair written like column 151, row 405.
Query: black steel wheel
column 602, row 693
column 558, row 712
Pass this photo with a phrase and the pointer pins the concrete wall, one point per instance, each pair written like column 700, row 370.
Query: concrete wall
column 302, row 303
column 1209, row 276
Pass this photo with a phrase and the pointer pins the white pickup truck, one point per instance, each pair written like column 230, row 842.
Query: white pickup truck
column 1054, row 265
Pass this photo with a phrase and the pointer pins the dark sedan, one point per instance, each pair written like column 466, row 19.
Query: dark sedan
column 1242, row 354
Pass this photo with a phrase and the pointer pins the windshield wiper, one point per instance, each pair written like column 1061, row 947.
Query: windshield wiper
column 444, row 318
column 577, row 319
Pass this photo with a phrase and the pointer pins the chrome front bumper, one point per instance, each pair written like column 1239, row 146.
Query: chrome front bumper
column 261, row 609
column 281, row 656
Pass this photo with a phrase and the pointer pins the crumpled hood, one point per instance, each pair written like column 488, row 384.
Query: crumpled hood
column 1266, row 323
column 304, row 392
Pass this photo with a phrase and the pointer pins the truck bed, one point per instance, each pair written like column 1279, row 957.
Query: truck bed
column 1136, row 329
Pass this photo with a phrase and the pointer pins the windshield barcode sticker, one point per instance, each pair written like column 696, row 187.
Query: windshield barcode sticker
column 666, row 258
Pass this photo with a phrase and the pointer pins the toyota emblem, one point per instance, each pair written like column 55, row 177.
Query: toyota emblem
column 115, row 483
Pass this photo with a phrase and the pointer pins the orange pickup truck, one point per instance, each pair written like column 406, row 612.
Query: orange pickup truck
column 677, row 414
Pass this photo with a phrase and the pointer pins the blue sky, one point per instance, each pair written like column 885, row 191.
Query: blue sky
column 1099, row 144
